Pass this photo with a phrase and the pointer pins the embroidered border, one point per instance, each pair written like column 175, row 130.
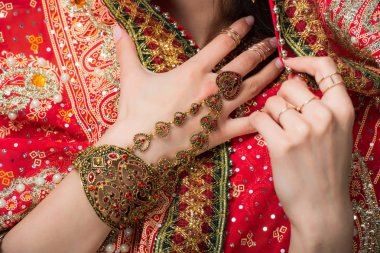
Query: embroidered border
column 197, row 217
column 161, row 46
column 159, row 43
column 304, row 34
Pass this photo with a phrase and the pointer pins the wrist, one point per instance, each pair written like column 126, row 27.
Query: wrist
column 326, row 231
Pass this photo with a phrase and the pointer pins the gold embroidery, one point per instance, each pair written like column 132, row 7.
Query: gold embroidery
column 366, row 209
column 197, row 215
column 33, row 3
column 260, row 140
column 88, row 59
column 278, row 233
column 248, row 241
column 37, row 193
column 66, row 115
column 12, row 126
column 6, row 177
column 21, row 84
column 5, row 8
column 237, row 189
column 305, row 35
column 351, row 23
column 35, row 41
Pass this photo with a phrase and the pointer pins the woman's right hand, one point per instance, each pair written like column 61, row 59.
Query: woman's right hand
column 310, row 143
column 147, row 97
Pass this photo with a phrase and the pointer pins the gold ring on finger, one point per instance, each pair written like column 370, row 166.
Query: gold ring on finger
column 285, row 109
column 264, row 45
column 258, row 51
column 234, row 35
column 332, row 86
column 326, row 77
column 332, row 80
column 299, row 109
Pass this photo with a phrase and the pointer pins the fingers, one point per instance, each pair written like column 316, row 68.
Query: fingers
column 256, row 83
column 312, row 65
column 256, row 122
column 126, row 52
column 295, row 91
column 272, row 133
column 322, row 68
column 283, row 113
column 221, row 46
column 249, row 59
column 237, row 127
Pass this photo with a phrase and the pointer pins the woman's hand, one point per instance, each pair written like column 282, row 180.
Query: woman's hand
column 310, row 150
column 148, row 97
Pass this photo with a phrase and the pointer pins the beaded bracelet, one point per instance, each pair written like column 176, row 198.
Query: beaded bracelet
column 121, row 187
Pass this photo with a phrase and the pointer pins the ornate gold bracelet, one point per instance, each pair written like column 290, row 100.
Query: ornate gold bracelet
column 121, row 187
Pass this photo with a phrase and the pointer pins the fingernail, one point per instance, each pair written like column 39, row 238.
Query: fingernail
column 273, row 41
column 249, row 20
column 116, row 33
column 278, row 63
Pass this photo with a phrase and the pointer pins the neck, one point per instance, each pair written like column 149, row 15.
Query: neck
column 201, row 18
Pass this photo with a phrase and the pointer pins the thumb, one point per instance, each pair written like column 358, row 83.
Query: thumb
column 126, row 52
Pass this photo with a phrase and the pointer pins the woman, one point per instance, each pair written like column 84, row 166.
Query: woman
column 194, row 218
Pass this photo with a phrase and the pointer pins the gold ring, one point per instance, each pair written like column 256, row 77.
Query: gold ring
column 333, row 85
column 325, row 77
column 234, row 35
column 264, row 45
column 258, row 51
column 287, row 107
column 335, row 79
column 299, row 109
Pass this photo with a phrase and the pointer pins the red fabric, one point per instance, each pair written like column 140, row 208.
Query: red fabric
column 43, row 143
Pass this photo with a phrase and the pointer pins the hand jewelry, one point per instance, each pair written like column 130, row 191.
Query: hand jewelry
column 235, row 36
column 299, row 109
column 286, row 108
column 121, row 187
column 334, row 78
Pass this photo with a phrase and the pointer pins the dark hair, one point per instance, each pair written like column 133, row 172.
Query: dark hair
column 263, row 27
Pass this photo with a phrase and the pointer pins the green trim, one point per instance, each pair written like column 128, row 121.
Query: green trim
column 223, row 165
column 220, row 204
column 299, row 46
column 292, row 39
column 368, row 73
column 135, row 31
column 221, row 155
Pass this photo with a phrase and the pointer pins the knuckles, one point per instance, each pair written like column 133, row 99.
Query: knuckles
column 326, row 61
column 271, row 102
column 325, row 122
column 289, row 86
column 303, row 131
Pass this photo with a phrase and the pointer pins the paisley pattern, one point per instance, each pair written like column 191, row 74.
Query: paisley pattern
column 226, row 202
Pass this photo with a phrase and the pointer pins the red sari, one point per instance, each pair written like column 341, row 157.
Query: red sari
column 65, row 102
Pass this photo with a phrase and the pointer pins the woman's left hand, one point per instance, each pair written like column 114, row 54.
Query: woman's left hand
column 310, row 149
